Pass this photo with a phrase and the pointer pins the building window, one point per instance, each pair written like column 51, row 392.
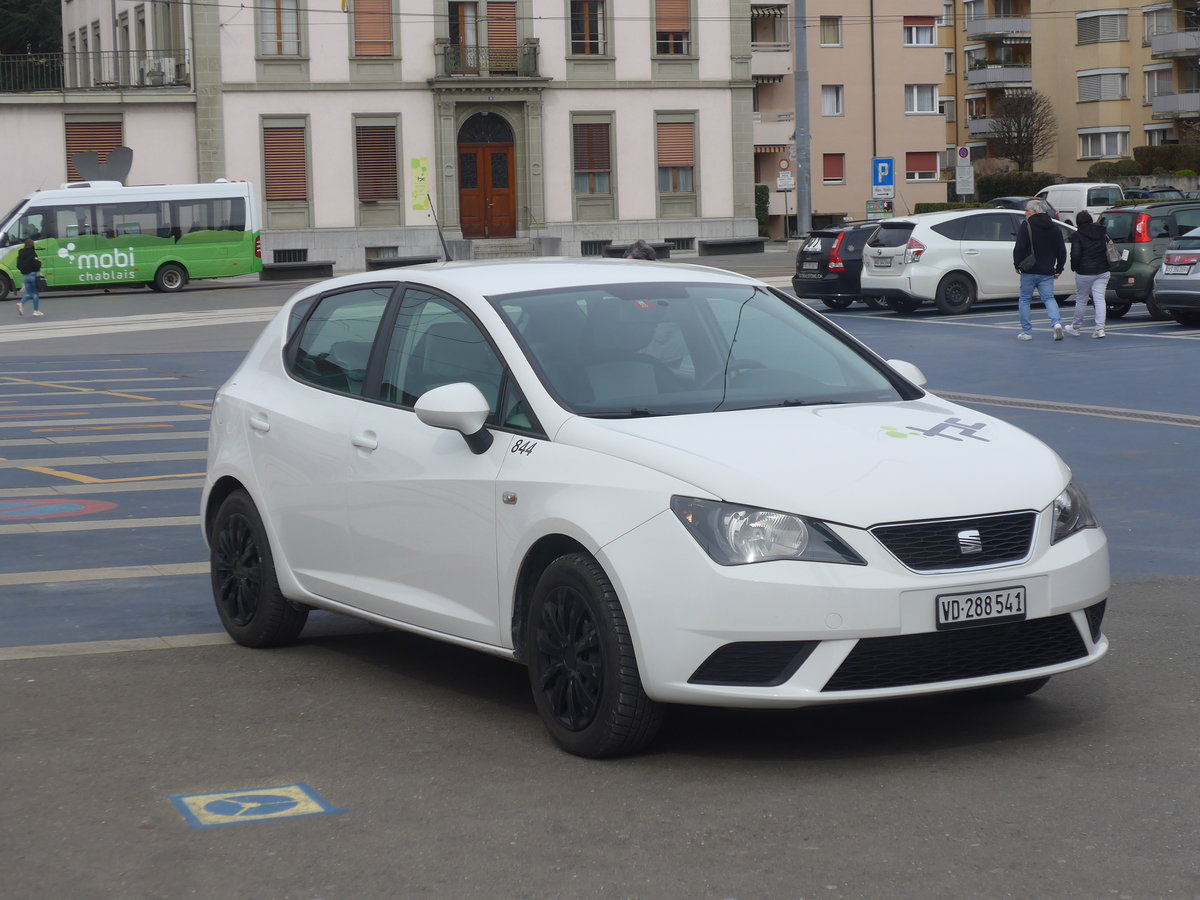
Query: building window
column 919, row 31
column 831, row 99
column 1094, row 86
column 587, row 28
column 977, row 107
column 949, row 62
column 920, row 98
column 285, row 163
column 921, row 166
column 672, row 28
column 676, row 157
column 1103, row 144
column 831, row 31
column 373, row 28
column 1159, row 82
column 377, row 165
column 88, row 133
column 1157, row 21
column 946, row 108
column 947, row 17
column 833, row 166
column 973, row 9
column 1109, row 25
column 1157, row 136
column 279, row 28
column 593, row 157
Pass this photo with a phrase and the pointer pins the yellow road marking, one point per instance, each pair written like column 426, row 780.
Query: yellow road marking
column 42, row 415
column 105, row 574
column 89, row 479
column 97, row 428
column 128, row 645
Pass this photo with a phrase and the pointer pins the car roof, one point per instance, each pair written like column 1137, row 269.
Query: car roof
column 1155, row 206
column 491, row 277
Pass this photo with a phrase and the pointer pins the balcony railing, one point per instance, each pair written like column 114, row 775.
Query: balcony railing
column 520, row 62
column 1185, row 104
column 979, row 126
column 101, row 70
column 1175, row 43
column 994, row 26
column 1000, row 76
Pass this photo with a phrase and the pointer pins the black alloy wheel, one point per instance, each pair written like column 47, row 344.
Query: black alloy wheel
column 955, row 294
column 571, row 660
column 1157, row 312
column 874, row 302
column 905, row 306
column 837, row 302
column 1117, row 310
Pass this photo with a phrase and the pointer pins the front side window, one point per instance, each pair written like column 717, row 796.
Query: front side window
column 587, row 28
column 676, row 157
column 592, row 157
column 920, row 98
column 279, row 33
column 333, row 346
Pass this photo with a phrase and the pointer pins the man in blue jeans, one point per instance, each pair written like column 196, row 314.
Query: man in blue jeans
column 1042, row 250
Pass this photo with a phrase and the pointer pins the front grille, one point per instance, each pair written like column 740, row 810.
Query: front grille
column 763, row 663
column 938, row 545
column 951, row 655
column 1095, row 615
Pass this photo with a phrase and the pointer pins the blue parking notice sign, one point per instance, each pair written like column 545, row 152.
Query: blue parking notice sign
column 289, row 801
column 883, row 178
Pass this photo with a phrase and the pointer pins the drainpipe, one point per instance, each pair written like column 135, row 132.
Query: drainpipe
column 803, row 135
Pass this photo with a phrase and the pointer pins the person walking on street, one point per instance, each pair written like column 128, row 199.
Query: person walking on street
column 1089, row 262
column 29, row 265
column 1039, row 256
column 640, row 250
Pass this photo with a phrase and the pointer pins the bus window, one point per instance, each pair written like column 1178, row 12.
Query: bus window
column 119, row 219
column 35, row 225
column 225, row 214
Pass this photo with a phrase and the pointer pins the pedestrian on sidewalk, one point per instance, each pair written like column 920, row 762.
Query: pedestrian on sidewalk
column 1089, row 262
column 639, row 249
column 1039, row 256
column 29, row 265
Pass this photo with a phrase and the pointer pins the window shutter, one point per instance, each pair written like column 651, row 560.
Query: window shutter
column 502, row 25
column 921, row 161
column 1087, row 30
column 672, row 16
column 285, row 173
column 676, row 144
column 375, row 152
column 919, row 21
column 1112, row 28
column 833, row 166
column 372, row 27
column 591, row 147
column 102, row 137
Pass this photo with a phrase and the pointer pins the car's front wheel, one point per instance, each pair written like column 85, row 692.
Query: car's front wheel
column 874, row 302
column 955, row 294
column 581, row 663
column 1117, row 310
column 251, row 606
column 903, row 305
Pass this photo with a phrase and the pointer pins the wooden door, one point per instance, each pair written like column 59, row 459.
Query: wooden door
column 486, row 193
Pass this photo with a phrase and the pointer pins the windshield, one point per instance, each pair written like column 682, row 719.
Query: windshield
column 629, row 350
column 1107, row 196
column 4, row 223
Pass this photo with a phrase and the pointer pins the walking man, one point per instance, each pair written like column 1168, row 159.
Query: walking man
column 1039, row 256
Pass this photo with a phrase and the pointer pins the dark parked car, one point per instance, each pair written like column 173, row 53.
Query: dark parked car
column 829, row 264
column 1018, row 203
column 1142, row 233
column 1154, row 192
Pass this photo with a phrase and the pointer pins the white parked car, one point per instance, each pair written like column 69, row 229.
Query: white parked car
column 617, row 473
column 950, row 258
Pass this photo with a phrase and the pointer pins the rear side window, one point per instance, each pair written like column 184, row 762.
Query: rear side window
column 1105, row 196
column 1186, row 219
column 998, row 227
column 952, row 230
column 817, row 245
column 1119, row 226
column 891, row 235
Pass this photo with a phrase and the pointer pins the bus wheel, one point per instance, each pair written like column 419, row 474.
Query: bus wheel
column 170, row 278
column 5, row 286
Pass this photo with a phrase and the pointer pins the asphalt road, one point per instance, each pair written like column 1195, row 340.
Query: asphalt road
column 146, row 757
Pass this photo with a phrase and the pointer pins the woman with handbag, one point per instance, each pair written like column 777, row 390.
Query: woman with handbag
column 1091, row 262
column 29, row 265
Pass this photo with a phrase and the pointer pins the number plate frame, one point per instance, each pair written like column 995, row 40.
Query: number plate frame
column 1176, row 270
column 882, row 262
column 977, row 608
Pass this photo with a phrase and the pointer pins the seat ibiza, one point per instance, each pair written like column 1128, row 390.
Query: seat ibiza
column 617, row 474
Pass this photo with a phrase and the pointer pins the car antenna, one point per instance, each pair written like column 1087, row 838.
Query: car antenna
column 441, row 237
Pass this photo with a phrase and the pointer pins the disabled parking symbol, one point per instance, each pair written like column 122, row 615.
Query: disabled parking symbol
column 253, row 805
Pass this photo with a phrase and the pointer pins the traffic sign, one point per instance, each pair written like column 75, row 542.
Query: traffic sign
column 964, row 180
column 785, row 164
column 964, row 155
column 785, row 181
column 883, row 178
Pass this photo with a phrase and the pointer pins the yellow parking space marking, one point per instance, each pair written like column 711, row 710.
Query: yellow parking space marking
column 128, row 645
column 103, row 574
column 91, row 479
column 74, row 490
column 44, row 415
column 288, row 801
column 96, row 428
column 197, row 406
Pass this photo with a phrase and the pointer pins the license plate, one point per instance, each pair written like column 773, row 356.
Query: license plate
column 808, row 265
column 883, row 262
column 1006, row 604
column 809, row 275
column 1176, row 270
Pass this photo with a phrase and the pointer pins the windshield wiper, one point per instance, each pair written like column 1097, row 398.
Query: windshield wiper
column 812, row 403
column 637, row 412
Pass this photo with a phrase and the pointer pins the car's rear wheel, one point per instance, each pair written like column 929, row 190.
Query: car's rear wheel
column 874, row 302
column 1014, row 690
column 955, row 294
column 903, row 305
column 1188, row 318
column 1117, row 310
column 581, row 663
column 1156, row 312
column 837, row 302
column 251, row 605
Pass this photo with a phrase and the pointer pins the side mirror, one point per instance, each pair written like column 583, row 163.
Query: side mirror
column 908, row 370
column 457, row 407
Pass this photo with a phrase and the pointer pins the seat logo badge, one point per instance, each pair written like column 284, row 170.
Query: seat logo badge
column 969, row 541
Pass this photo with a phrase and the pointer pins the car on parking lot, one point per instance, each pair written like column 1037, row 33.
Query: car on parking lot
column 1141, row 233
column 951, row 259
column 1177, row 281
column 829, row 263
column 618, row 474
column 1018, row 203
column 1154, row 192
column 1070, row 198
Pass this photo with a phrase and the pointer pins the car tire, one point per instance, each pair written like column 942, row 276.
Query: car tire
column 582, row 668
column 5, row 286
column 249, row 601
column 1117, row 310
column 874, row 302
column 1014, row 690
column 837, row 302
column 1187, row 317
column 170, row 278
column 903, row 305
column 1156, row 312
column 955, row 294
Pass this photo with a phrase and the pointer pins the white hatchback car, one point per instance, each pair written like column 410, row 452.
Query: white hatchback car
column 617, row 474
column 950, row 258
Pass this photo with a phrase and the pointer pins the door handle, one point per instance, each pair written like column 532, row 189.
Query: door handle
column 259, row 423
column 365, row 441
column 970, row 253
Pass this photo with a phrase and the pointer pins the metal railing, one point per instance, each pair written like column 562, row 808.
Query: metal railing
column 460, row 59
column 99, row 70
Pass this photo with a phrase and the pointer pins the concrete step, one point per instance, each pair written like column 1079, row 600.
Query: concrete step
column 502, row 248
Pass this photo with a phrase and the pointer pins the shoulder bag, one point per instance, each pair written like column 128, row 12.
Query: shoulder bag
column 1110, row 250
column 1031, row 260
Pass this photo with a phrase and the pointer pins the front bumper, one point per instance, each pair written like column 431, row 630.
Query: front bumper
column 812, row 633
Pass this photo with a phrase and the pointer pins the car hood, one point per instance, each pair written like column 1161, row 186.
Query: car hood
column 858, row 464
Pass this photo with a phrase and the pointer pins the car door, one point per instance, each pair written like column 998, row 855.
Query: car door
column 421, row 505
column 302, row 429
column 987, row 248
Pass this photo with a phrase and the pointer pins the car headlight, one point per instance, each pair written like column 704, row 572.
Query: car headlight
column 736, row 535
column 1071, row 513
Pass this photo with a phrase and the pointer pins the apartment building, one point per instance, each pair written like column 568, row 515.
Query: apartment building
column 555, row 124
column 1118, row 77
